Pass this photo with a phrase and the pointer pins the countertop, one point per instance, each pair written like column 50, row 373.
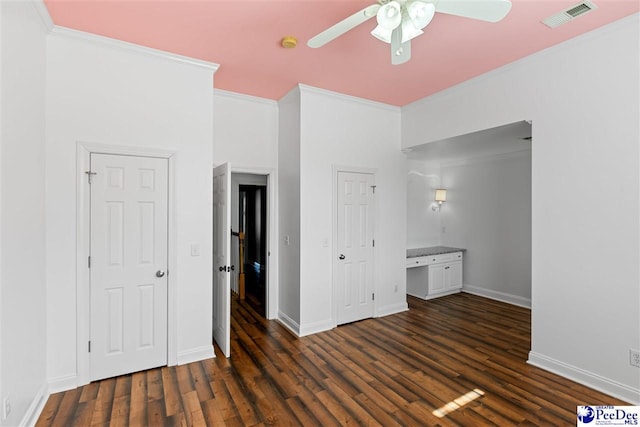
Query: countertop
column 432, row 250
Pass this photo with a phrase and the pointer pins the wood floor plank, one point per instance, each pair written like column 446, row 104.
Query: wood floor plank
column 314, row 406
column 200, row 381
column 193, row 409
column 50, row 409
column 138, row 410
column 171, row 394
column 66, row 410
column 104, row 402
column 89, row 392
column 155, row 412
column 459, row 360
column 84, row 413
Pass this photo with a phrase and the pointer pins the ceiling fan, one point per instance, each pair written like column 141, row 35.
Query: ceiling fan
column 399, row 21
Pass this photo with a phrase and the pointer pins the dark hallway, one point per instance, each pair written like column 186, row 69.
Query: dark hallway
column 252, row 211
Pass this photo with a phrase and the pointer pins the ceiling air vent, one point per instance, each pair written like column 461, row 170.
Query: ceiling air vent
column 568, row 14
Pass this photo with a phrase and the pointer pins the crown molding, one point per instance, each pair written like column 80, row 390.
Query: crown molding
column 43, row 13
column 349, row 98
column 243, row 97
column 523, row 62
column 132, row 48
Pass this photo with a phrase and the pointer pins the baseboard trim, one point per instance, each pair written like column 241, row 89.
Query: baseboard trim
column 498, row 296
column 37, row 405
column 595, row 381
column 64, row 383
column 315, row 327
column 288, row 323
column 388, row 310
column 196, row 354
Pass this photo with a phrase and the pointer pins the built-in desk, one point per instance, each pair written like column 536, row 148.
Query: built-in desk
column 440, row 271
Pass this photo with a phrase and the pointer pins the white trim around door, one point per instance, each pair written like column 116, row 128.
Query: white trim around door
column 83, row 153
column 272, row 233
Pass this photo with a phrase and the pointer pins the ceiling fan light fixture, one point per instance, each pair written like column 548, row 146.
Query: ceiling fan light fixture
column 382, row 34
column 389, row 16
column 421, row 13
column 409, row 31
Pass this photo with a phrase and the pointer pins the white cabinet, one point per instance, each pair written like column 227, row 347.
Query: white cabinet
column 435, row 278
column 438, row 275
column 443, row 277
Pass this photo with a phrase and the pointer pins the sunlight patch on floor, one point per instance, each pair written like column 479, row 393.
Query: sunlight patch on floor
column 458, row 402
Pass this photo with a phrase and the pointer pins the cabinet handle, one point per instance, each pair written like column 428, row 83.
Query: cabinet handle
column 446, row 268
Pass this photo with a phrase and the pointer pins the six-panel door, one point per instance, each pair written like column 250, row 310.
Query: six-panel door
column 129, row 197
column 354, row 277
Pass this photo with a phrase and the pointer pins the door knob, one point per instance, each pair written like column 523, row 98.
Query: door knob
column 222, row 268
column 341, row 256
column 160, row 273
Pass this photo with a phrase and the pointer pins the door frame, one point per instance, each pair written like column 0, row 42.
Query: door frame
column 271, row 305
column 336, row 169
column 83, row 234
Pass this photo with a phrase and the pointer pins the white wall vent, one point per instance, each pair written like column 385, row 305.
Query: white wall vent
column 568, row 14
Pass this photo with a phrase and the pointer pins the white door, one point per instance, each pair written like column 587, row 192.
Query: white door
column 221, row 257
column 354, row 276
column 129, row 197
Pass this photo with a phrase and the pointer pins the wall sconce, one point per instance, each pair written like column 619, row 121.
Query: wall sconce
column 441, row 197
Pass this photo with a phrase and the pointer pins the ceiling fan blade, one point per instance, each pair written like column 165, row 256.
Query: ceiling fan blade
column 484, row 10
column 343, row 26
column 400, row 52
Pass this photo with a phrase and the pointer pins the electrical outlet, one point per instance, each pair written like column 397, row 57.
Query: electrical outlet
column 6, row 408
column 634, row 358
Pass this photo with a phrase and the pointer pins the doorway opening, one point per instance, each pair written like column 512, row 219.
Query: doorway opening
column 252, row 215
column 249, row 243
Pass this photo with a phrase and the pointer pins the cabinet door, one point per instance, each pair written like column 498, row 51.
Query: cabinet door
column 453, row 275
column 436, row 278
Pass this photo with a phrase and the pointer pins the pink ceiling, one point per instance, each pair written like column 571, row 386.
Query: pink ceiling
column 243, row 36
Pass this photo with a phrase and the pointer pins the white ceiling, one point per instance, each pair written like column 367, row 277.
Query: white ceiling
column 490, row 142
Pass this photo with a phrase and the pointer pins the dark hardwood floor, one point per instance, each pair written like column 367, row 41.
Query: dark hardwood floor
column 458, row 360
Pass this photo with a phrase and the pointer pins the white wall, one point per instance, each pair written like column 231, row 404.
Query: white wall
column 289, row 209
column 488, row 212
column 347, row 131
column 100, row 93
column 22, row 220
column 245, row 130
column 583, row 98
column 423, row 224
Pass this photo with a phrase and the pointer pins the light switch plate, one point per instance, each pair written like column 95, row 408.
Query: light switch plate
column 195, row 249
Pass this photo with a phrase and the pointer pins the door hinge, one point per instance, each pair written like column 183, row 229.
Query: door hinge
column 89, row 175
column 89, row 261
column 373, row 188
column 89, row 346
column 374, row 243
column 373, row 296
